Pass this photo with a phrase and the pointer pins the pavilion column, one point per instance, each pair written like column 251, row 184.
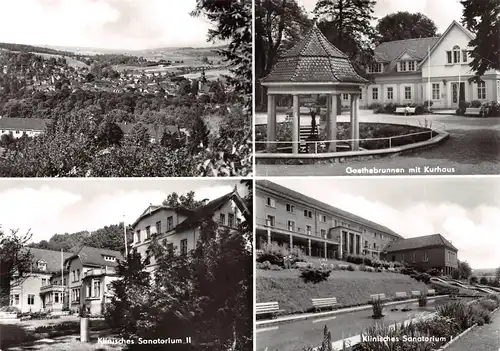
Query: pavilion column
column 348, row 244
column 326, row 251
column 291, row 241
column 269, row 236
column 354, row 126
column 271, row 122
column 332, row 123
column 296, row 124
column 309, row 246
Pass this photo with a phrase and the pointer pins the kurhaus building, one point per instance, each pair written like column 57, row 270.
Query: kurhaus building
column 435, row 68
column 178, row 229
column 291, row 219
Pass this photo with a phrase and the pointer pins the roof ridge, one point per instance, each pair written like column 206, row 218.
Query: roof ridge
column 394, row 41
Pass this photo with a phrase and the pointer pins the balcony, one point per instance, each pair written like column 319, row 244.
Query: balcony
column 52, row 287
column 372, row 248
column 99, row 271
column 267, row 224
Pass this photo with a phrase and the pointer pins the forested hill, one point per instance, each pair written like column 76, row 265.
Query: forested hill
column 34, row 49
column 109, row 237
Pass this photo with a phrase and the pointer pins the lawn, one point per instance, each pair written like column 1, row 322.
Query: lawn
column 350, row 288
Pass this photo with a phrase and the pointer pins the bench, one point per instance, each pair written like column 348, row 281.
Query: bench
column 431, row 292
column 473, row 111
column 320, row 303
column 415, row 293
column 378, row 297
column 405, row 110
column 400, row 295
column 267, row 308
column 301, row 264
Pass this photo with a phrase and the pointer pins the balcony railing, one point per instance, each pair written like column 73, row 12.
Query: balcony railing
column 51, row 287
column 99, row 271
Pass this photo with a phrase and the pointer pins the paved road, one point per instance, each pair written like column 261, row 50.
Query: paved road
column 485, row 338
column 294, row 336
column 473, row 148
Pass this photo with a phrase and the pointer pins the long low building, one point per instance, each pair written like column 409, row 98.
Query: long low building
column 292, row 219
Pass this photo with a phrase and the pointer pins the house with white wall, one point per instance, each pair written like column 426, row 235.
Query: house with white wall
column 436, row 68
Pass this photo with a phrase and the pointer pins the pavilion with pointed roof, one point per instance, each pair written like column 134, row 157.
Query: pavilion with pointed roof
column 313, row 67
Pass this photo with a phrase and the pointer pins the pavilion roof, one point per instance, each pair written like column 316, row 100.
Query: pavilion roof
column 314, row 59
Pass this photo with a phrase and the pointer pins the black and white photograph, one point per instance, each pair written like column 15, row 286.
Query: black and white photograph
column 377, row 264
column 386, row 87
column 158, row 264
column 125, row 88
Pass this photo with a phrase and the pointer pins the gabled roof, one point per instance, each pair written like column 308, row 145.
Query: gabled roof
column 27, row 124
column 419, row 242
column 207, row 210
column 266, row 184
column 50, row 257
column 313, row 60
column 453, row 24
column 390, row 51
column 155, row 208
column 92, row 256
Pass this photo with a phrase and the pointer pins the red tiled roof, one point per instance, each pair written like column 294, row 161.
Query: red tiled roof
column 419, row 242
column 314, row 59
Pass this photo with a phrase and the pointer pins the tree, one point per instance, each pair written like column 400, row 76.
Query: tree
column 497, row 274
column 184, row 201
column 139, row 135
column 109, row 134
column 464, row 270
column 185, row 88
column 473, row 280
column 198, row 135
column 347, row 25
column 405, row 25
column 482, row 17
column 15, row 261
column 483, row 281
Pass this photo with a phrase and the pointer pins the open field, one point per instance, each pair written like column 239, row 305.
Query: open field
column 350, row 288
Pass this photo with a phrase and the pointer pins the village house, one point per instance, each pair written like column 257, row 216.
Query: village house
column 424, row 253
column 17, row 127
column 437, row 68
column 178, row 230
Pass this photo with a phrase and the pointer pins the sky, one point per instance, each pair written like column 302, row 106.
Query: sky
column 108, row 24
column 466, row 211
column 442, row 12
column 46, row 206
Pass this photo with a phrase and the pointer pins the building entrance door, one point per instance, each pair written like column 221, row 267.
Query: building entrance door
column 455, row 97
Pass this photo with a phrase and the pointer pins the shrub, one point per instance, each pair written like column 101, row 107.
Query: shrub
column 434, row 272
column 428, row 103
column 10, row 309
column 273, row 253
column 460, row 312
column 494, row 297
column 263, row 265
column 489, row 305
column 475, row 103
column 275, row 267
column 314, row 275
column 57, row 327
column 374, row 105
column 425, row 278
column 351, row 268
column 422, row 299
column 378, row 308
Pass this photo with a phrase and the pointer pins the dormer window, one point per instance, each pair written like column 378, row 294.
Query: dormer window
column 411, row 65
column 42, row 265
column 402, row 66
column 109, row 258
column 375, row 68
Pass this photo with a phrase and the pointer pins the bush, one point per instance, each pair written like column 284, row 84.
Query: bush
column 351, row 268
column 314, row 275
column 475, row 103
column 57, row 327
column 425, row 278
column 434, row 272
column 378, row 308
column 10, row 309
column 428, row 103
column 489, row 305
column 491, row 109
column 422, row 299
column 463, row 314
column 263, row 265
column 273, row 253
column 375, row 105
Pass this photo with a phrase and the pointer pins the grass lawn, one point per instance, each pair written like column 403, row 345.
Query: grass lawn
column 350, row 288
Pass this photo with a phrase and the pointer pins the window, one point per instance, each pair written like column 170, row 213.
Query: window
column 411, row 65
column 170, row 223
column 435, row 91
column 270, row 221
column 170, row 248
column 291, row 226
column 374, row 93
column 345, row 96
column 271, row 202
column 322, row 218
column 158, row 227
column 16, row 299
column 481, row 90
column 308, row 229
column 448, row 56
column 56, row 297
column 31, row 299
column 402, row 257
column 64, row 281
column 426, row 258
column 44, row 281
column 77, row 274
column 74, row 275
column 148, row 232
column 230, row 220
column 407, row 93
column 307, row 214
column 42, row 265
column 413, row 257
column 323, row 233
column 97, row 288
column 456, row 54
column 375, row 235
column 184, row 246
column 137, row 236
column 390, row 93
column 402, row 66
column 290, row 208
column 366, row 243
column 464, row 55
column 222, row 220
column 375, row 68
